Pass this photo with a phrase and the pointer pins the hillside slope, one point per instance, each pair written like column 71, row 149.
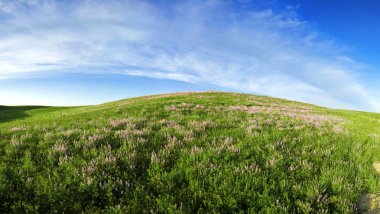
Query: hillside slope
column 187, row 152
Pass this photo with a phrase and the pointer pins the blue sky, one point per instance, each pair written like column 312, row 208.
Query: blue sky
column 88, row 52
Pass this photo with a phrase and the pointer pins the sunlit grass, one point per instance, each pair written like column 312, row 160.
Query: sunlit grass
column 189, row 152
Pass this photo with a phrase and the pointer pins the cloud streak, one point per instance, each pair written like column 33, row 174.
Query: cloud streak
column 240, row 47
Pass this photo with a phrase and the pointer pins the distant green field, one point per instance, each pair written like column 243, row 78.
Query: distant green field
column 187, row 152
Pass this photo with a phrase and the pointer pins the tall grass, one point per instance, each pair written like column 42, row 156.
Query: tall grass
column 198, row 152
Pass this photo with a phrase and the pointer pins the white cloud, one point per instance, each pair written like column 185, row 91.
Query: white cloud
column 254, row 50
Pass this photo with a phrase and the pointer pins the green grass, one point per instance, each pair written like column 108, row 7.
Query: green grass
column 189, row 152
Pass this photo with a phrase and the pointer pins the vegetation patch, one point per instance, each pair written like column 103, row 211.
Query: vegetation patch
column 188, row 152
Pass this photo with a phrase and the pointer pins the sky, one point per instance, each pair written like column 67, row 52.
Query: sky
column 81, row 52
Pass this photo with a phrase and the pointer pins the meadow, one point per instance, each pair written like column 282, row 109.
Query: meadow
column 186, row 153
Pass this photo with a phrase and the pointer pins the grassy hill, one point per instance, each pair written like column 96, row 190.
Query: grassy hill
column 187, row 152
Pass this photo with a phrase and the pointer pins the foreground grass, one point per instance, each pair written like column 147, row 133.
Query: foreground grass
column 191, row 152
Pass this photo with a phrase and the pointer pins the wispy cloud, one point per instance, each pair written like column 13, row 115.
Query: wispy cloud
column 245, row 49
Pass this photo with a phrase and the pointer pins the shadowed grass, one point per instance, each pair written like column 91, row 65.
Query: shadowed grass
column 8, row 113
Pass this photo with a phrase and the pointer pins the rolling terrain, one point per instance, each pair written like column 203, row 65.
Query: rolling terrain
column 188, row 152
